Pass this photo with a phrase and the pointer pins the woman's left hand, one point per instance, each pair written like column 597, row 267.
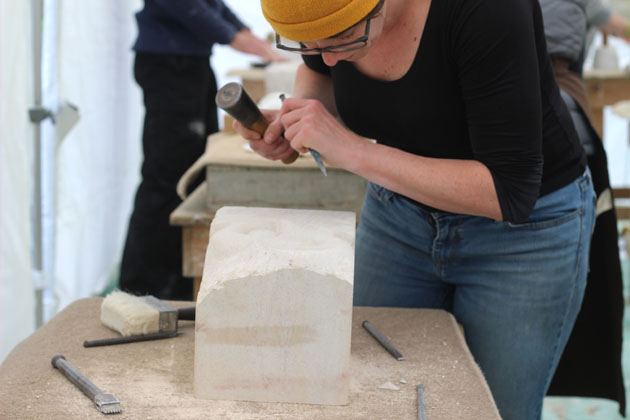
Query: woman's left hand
column 309, row 125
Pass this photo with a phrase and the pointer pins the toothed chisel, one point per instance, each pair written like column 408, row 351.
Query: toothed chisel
column 106, row 403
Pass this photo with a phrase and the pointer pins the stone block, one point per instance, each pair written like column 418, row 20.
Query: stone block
column 274, row 310
column 236, row 176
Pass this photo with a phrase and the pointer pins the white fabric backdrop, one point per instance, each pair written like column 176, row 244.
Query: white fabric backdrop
column 17, row 304
column 98, row 162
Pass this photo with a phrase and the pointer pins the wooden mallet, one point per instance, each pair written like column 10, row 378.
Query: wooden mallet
column 233, row 99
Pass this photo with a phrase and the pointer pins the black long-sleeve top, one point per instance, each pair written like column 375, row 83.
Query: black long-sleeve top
column 481, row 87
column 185, row 27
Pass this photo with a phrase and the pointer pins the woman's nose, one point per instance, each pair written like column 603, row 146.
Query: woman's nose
column 330, row 59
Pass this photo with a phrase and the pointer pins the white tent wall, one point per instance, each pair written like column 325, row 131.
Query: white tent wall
column 98, row 162
column 17, row 297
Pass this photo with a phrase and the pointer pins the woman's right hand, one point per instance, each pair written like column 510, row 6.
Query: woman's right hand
column 272, row 145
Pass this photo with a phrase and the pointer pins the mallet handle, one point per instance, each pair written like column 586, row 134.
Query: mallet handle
column 233, row 99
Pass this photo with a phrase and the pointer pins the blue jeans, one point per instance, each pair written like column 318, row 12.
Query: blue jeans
column 515, row 288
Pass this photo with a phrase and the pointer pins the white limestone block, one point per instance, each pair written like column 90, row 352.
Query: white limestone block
column 274, row 310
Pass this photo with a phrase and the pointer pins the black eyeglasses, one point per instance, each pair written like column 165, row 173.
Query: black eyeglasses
column 348, row 46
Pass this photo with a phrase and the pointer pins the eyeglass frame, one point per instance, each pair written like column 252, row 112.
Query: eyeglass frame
column 332, row 48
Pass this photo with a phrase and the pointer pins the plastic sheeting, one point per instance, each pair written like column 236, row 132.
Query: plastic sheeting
column 17, row 299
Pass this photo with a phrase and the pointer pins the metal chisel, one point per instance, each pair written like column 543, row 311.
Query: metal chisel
column 422, row 405
column 106, row 403
column 382, row 341
column 314, row 153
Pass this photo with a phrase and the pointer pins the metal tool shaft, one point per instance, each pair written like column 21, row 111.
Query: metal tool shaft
column 129, row 339
column 74, row 376
column 382, row 341
column 422, row 405
column 106, row 403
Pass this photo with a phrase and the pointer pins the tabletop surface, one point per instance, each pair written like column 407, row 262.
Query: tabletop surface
column 153, row 380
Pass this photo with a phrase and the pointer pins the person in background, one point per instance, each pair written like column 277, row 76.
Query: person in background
column 479, row 201
column 597, row 335
column 172, row 66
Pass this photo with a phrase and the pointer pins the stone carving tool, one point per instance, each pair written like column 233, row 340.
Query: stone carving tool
column 314, row 153
column 422, row 405
column 382, row 340
column 139, row 318
column 233, row 99
column 106, row 403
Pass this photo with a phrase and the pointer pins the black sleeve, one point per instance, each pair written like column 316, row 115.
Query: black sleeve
column 316, row 63
column 495, row 50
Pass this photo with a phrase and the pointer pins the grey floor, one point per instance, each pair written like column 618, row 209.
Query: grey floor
column 558, row 408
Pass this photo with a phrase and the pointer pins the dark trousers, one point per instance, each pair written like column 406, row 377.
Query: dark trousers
column 179, row 94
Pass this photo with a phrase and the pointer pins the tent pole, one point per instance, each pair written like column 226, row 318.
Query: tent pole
column 36, row 213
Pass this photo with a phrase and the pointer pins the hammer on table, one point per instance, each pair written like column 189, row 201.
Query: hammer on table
column 233, row 99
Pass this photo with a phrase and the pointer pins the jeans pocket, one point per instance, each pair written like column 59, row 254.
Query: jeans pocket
column 544, row 223
column 379, row 193
column 560, row 206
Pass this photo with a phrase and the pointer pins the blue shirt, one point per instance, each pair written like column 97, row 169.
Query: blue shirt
column 185, row 27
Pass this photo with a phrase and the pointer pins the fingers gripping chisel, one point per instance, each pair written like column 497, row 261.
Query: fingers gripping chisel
column 233, row 99
column 314, row 153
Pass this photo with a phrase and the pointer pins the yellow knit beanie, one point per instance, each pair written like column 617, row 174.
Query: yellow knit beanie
column 310, row 20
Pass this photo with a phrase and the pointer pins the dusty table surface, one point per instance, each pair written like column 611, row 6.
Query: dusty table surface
column 153, row 380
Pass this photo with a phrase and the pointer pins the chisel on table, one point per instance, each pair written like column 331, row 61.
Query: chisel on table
column 106, row 403
column 382, row 341
column 422, row 405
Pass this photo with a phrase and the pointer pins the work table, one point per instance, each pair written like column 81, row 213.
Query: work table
column 153, row 380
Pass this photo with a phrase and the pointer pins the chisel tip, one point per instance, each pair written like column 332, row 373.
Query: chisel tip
column 107, row 403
